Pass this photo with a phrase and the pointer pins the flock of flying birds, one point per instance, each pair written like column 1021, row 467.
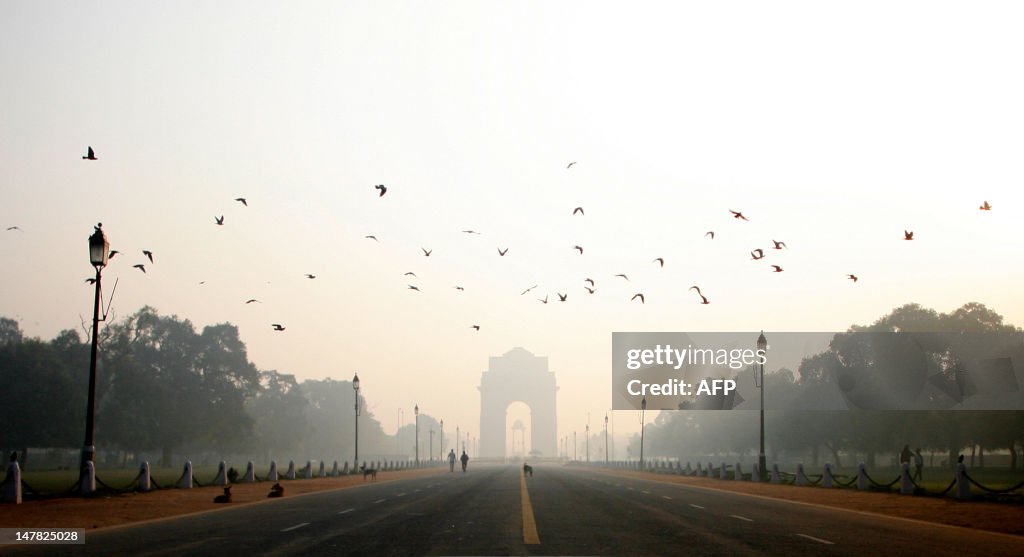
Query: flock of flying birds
column 756, row 254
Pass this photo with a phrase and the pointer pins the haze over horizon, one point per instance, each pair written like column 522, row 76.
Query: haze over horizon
column 833, row 129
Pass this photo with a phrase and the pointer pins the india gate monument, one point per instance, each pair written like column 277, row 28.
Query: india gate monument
column 518, row 376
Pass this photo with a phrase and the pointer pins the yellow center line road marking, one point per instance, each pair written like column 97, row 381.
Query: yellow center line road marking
column 530, row 536
column 819, row 540
column 296, row 527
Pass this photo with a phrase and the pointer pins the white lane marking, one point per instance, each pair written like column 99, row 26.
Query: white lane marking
column 400, row 495
column 346, row 511
column 696, row 506
column 819, row 540
column 415, row 491
column 630, row 488
column 296, row 527
column 666, row 497
column 379, row 501
column 645, row 492
column 741, row 517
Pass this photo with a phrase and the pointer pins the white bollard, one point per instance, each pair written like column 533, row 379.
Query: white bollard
column 346, row 471
column 739, row 473
column 700, row 472
column 906, row 485
column 12, row 481
column 222, row 474
column 963, row 485
column 801, row 477
column 776, row 478
column 322, row 473
column 755, row 473
column 307, row 470
column 250, row 473
column 186, row 476
column 290, row 474
column 862, row 478
column 689, row 470
column 710, row 470
column 272, row 475
column 334, row 470
column 826, row 476
column 145, row 478
column 723, row 471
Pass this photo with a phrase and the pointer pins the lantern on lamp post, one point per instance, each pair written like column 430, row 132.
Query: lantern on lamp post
column 99, row 251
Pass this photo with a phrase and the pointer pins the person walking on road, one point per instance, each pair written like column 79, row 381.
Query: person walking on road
column 451, row 460
column 465, row 460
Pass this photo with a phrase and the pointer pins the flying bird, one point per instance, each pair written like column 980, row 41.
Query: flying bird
column 907, row 235
column 757, row 254
column 578, row 210
column 470, row 232
column 502, row 252
column 852, row 277
column 140, row 267
column 372, row 237
column 591, row 281
column 985, row 206
column 703, row 299
column 411, row 287
column 309, row 276
column 91, row 155
column 219, row 220
column 112, row 253
column 562, row 297
column 590, row 290
column 738, row 215
column 277, row 326
column 528, row 289
column 253, row 300
column 638, row 295
column 410, row 273
column 477, row 327
column 148, row 254
column 660, row 260
column 544, row 301
column 623, row 276
column 427, row 252
column 570, row 165
column 710, row 233
column 14, row 228
column 459, row 288
column 778, row 245
column 777, row 269
column 381, row 188
column 579, row 248
column 242, row 201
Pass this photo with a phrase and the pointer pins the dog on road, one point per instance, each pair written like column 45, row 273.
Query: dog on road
column 225, row 498
column 371, row 472
column 527, row 470
column 276, row 490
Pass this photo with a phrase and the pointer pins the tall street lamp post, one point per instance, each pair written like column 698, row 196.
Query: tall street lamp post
column 99, row 250
column 416, row 410
column 762, row 346
column 606, row 439
column 440, row 441
column 643, row 409
column 355, row 387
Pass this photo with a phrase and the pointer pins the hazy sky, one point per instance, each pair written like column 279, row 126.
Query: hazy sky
column 833, row 127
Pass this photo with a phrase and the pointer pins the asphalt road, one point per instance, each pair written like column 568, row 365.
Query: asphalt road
column 491, row 510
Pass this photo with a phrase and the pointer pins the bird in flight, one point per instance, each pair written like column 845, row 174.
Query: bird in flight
column 372, row 237
column 562, row 297
column 410, row 273
column 91, row 155
column 427, row 252
column 638, row 295
column 777, row 269
column 907, row 235
column 253, row 300
column 112, row 253
column 738, row 215
column 140, row 267
column 778, row 245
column 148, row 254
column 544, row 301
column 985, row 206
column 580, row 248
column 242, row 201
column 470, row 232
column 477, row 327
column 219, row 220
column 411, row 287
column 710, row 233
column 578, row 210
column 590, row 280
column 623, row 276
column 703, row 299
column 660, row 260
column 277, row 326
column 757, row 254
column 459, row 288
column 502, row 252
column 570, row 165
column 528, row 289
column 590, row 290
column 309, row 276
column 381, row 188
column 14, row 228
column 852, row 277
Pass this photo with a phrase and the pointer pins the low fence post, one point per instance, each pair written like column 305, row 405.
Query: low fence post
column 906, row 485
column 826, row 476
column 346, row 471
column 723, row 471
column 12, row 482
column 862, row 477
column 963, row 486
column 801, row 477
column 250, row 473
column 334, row 470
column 776, row 479
column 290, row 474
column 323, row 473
column 700, row 472
column 186, row 476
column 307, row 470
column 710, row 470
column 222, row 475
column 755, row 473
column 145, row 479
column 272, row 475
column 738, row 474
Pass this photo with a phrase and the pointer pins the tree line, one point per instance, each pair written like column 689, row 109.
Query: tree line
column 164, row 386
column 939, row 424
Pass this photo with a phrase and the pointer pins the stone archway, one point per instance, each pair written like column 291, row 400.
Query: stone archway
column 518, row 376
